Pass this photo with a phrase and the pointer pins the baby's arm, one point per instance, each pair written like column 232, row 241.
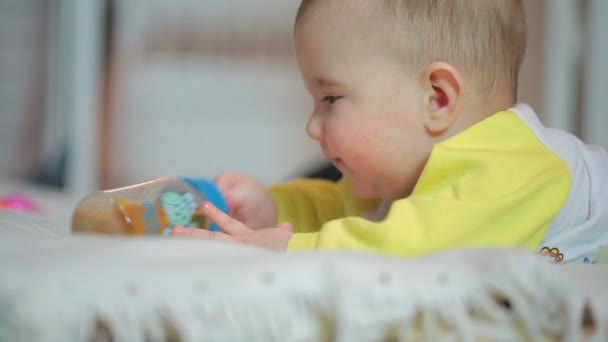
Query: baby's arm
column 422, row 224
column 307, row 203
column 310, row 203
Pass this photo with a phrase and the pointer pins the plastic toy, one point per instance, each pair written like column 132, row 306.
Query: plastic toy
column 150, row 208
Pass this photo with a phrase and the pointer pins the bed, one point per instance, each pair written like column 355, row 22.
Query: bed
column 55, row 286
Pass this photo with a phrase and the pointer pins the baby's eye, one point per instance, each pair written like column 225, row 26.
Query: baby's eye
column 331, row 99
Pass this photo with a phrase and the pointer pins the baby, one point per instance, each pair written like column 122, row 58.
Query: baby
column 415, row 103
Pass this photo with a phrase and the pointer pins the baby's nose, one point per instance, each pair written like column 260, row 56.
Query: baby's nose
column 315, row 127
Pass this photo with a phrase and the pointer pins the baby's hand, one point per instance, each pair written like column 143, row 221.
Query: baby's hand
column 275, row 239
column 248, row 200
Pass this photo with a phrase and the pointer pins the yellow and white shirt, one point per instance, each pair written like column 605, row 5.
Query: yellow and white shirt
column 507, row 181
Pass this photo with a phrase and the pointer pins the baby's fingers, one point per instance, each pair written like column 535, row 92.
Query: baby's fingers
column 228, row 224
column 200, row 233
column 227, row 180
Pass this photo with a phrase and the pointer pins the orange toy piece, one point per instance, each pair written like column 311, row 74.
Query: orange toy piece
column 142, row 219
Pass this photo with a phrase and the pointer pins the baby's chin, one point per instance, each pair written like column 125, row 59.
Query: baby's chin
column 365, row 190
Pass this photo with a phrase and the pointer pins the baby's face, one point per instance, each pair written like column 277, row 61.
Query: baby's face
column 367, row 113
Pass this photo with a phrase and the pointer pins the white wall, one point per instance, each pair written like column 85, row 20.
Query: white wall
column 200, row 113
column 532, row 74
column 22, row 57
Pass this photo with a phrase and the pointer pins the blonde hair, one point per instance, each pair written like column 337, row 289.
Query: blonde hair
column 485, row 39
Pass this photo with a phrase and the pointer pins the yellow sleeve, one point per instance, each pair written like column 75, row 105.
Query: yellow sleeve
column 309, row 203
column 420, row 225
column 500, row 196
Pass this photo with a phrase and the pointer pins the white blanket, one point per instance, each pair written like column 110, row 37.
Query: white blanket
column 58, row 287
column 62, row 288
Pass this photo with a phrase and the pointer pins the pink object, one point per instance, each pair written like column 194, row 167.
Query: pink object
column 18, row 202
column 178, row 230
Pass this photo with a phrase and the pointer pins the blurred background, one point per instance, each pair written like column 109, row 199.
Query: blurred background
column 98, row 94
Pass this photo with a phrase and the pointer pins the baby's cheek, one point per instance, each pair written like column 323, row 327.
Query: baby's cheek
column 369, row 134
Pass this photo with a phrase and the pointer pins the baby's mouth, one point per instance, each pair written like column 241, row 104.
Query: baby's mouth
column 338, row 163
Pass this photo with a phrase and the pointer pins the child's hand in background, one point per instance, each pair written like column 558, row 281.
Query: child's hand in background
column 275, row 239
column 248, row 200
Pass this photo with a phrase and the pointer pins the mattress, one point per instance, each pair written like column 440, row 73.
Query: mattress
column 55, row 286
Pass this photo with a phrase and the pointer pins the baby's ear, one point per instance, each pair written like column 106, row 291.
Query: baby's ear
column 444, row 86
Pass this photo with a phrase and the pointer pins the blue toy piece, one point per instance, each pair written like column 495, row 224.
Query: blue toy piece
column 211, row 193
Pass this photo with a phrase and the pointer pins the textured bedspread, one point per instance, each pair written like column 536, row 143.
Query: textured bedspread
column 58, row 287
column 62, row 288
